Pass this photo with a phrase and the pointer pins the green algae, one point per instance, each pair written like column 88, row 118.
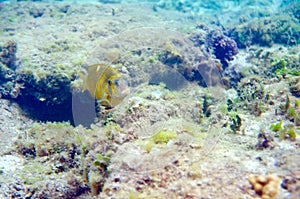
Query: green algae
column 159, row 139
column 163, row 137
column 276, row 127
column 236, row 124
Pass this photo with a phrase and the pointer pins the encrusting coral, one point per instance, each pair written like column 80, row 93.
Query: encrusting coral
column 265, row 186
column 224, row 48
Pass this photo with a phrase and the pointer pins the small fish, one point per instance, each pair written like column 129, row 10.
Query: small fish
column 105, row 85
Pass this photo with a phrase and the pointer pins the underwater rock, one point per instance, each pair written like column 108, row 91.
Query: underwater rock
column 32, row 89
column 46, row 99
column 233, row 74
column 37, row 12
column 295, row 86
column 9, row 87
column 265, row 140
column 281, row 29
column 8, row 54
column 224, row 48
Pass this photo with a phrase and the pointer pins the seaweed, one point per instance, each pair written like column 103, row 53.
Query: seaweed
column 284, row 132
column 236, row 123
column 288, row 133
column 102, row 161
column 276, row 127
column 163, row 137
column 279, row 65
column 205, row 105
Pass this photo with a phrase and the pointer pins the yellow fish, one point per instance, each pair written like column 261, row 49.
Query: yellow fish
column 105, row 85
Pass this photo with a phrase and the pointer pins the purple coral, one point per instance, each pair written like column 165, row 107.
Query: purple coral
column 224, row 48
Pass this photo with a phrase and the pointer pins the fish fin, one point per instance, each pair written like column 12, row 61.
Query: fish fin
column 84, row 81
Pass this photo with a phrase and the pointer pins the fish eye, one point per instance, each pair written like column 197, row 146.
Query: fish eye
column 117, row 82
column 109, row 82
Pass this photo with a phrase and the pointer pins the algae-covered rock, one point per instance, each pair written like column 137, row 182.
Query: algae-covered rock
column 53, row 89
column 8, row 85
column 8, row 54
column 39, row 88
column 281, row 29
column 59, row 160
column 295, row 86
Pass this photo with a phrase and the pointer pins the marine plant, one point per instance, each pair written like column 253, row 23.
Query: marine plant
column 291, row 133
column 292, row 113
column 101, row 161
column 276, row 127
column 284, row 132
column 288, row 133
column 159, row 139
column 236, row 123
column 230, row 105
column 294, row 85
column 96, row 176
column 163, row 137
column 278, row 64
column 297, row 103
column 205, row 105
column 251, row 89
column 8, row 54
column 259, row 108
column 251, row 96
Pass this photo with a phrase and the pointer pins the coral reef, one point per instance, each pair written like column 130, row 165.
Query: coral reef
column 8, row 54
column 163, row 139
column 9, row 85
column 265, row 186
column 252, row 95
column 224, row 48
column 168, row 52
column 267, row 31
column 61, row 160
column 47, row 90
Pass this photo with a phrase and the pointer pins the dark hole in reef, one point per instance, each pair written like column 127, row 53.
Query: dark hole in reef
column 78, row 109
column 57, row 102
column 41, row 111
